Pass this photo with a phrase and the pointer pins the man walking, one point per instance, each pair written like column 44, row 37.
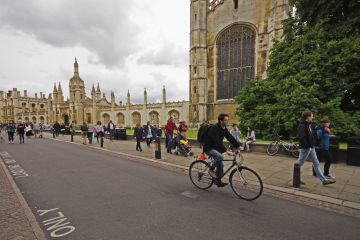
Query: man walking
column 307, row 142
column 21, row 131
column 169, row 130
column 149, row 133
column 111, row 129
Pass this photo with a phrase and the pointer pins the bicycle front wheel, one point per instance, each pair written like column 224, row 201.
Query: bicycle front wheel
column 199, row 176
column 273, row 148
column 246, row 183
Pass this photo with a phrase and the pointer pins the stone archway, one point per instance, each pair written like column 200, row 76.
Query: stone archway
column 105, row 118
column 154, row 118
column 120, row 118
column 136, row 118
column 175, row 115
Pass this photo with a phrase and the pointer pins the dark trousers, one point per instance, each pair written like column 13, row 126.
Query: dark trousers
column 99, row 135
column 138, row 145
column 21, row 136
column 169, row 142
column 11, row 136
column 324, row 155
column 148, row 141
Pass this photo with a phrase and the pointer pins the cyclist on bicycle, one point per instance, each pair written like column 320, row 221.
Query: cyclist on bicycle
column 214, row 147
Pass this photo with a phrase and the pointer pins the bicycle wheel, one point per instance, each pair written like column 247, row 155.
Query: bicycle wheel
column 199, row 176
column 246, row 183
column 273, row 148
column 295, row 150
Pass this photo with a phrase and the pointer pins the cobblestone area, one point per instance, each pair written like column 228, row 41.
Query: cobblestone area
column 14, row 224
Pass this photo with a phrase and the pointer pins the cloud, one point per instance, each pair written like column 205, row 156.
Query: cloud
column 103, row 28
column 168, row 54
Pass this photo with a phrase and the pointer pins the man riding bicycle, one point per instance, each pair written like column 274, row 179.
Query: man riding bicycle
column 214, row 147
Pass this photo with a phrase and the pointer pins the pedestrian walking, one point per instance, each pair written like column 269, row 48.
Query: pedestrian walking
column 323, row 135
column 90, row 132
column 149, row 132
column 307, row 143
column 111, row 129
column 169, row 131
column 28, row 130
column 235, row 132
column 99, row 131
column 20, row 129
column 57, row 128
column 84, row 130
column 10, row 129
column 138, row 135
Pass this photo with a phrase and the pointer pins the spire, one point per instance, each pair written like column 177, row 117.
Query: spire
column 93, row 89
column 128, row 97
column 59, row 88
column 164, row 94
column 76, row 67
column 145, row 96
column 98, row 88
column 55, row 90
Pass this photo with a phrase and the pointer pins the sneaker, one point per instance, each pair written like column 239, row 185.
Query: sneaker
column 221, row 184
column 328, row 181
column 329, row 177
column 212, row 174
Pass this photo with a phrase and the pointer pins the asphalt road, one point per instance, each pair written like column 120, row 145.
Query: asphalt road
column 106, row 196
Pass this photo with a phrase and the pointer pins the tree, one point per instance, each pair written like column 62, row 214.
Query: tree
column 315, row 67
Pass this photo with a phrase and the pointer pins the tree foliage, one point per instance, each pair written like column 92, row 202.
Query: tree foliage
column 315, row 67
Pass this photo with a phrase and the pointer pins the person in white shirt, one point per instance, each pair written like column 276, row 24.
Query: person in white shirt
column 250, row 138
column 99, row 131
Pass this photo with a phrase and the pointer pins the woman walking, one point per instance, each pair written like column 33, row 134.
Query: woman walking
column 138, row 134
column 11, row 128
column 323, row 135
column 84, row 130
column 99, row 131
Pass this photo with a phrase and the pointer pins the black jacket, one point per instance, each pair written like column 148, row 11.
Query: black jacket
column 307, row 138
column 215, row 137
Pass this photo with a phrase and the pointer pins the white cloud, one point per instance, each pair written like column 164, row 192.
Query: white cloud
column 121, row 44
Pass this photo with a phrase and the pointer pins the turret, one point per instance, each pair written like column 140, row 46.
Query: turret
column 145, row 96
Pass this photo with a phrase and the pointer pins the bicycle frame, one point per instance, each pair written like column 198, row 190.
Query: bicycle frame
column 234, row 162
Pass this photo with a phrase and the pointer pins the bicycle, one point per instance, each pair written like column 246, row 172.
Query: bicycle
column 244, row 182
column 277, row 143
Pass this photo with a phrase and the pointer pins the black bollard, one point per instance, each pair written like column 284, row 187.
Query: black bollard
column 102, row 141
column 158, row 149
column 53, row 134
column 296, row 176
column 72, row 136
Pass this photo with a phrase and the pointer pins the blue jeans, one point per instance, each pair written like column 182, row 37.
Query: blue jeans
column 169, row 142
column 310, row 153
column 217, row 163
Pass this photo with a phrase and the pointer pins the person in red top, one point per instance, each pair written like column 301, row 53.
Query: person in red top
column 169, row 131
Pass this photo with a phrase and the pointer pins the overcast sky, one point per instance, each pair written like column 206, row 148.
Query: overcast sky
column 121, row 44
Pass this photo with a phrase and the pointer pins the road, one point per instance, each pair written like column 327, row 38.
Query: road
column 107, row 196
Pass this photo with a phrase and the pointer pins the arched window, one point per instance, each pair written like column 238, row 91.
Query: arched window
column 42, row 119
column 175, row 115
column 33, row 119
column 154, row 117
column 106, row 118
column 120, row 118
column 136, row 118
column 235, row 60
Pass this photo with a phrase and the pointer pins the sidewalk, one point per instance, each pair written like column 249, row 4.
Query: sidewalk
column 276, row 172
column 16, row 220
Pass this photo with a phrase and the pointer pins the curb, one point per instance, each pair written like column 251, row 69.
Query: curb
column 39, row 234
column 292, row 191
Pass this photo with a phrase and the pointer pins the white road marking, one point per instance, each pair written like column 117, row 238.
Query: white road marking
column 15, row 169
column 57, row 224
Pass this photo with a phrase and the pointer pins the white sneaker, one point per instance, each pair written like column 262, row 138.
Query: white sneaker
column 329, row 177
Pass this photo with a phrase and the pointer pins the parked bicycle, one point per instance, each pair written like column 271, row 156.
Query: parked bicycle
column 278, row 143
column 245, row 182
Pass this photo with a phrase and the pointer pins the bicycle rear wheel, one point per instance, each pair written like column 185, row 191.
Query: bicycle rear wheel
column 295, row 150
column 246, row 183
column 199, row 176
column 273, row 148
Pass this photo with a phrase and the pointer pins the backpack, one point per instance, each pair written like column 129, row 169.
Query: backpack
column 203, row 132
